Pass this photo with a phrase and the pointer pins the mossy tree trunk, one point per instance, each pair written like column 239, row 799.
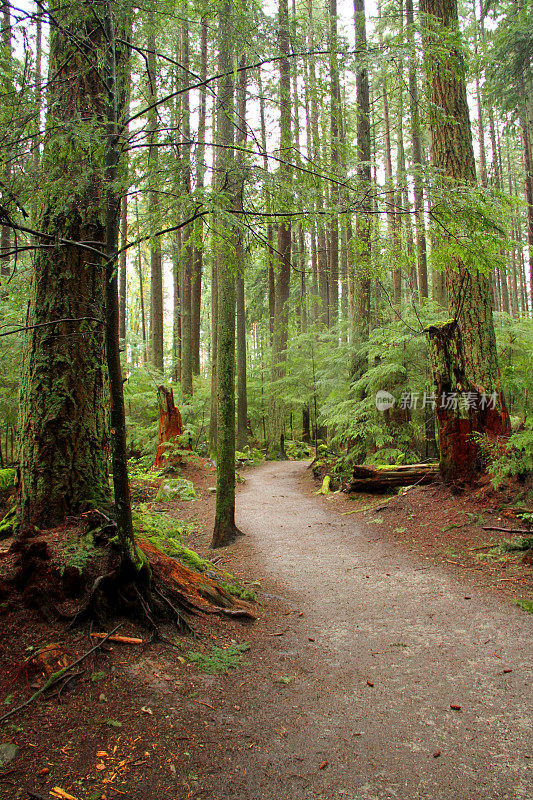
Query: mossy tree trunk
column 225, row 529
column 363, row 245
column 156, row 257
column 463, row 352
column 242, row 399
column 132, row 558
column 64, row 431
column 283, row 255
column 187, row 234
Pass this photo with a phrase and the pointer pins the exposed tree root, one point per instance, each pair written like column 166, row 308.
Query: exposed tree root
column 164, row 590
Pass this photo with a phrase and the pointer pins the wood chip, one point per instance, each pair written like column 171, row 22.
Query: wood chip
column 121, row 639
column 58, row 792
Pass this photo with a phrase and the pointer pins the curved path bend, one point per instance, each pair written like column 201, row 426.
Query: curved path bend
column 379, row 647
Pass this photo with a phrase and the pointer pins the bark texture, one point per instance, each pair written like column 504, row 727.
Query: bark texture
column 64, row 432
column 471, row 336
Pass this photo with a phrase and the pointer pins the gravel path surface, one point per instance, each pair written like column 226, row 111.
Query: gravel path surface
column 406, row 682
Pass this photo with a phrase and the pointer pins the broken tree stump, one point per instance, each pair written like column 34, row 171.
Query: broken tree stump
column 380, row 480
column 170, row 428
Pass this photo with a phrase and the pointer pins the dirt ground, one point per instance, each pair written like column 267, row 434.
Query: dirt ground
column 387, row 661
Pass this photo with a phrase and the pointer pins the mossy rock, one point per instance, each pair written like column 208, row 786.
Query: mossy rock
column 177, row 489
column 7, row 482
column 9, row 525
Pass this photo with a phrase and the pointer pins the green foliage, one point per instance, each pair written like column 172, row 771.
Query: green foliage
column 248, row 457
column 473, row 226
column 162, row 530
column 513, row 458
column 78, row 551
column 7, row 480
column 526, row 605
column 221, row 659
column 176, row 489
column 8, row 524
column 515, row 345
column 298, row 451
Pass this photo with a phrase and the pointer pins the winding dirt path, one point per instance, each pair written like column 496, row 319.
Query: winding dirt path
column 379, row 649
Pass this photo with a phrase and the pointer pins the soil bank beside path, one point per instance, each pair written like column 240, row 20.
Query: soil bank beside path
column 406, row 682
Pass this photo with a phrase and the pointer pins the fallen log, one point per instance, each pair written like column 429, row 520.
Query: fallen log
column 382, row 479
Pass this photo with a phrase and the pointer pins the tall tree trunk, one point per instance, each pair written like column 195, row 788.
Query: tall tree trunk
column 186, row 249
column 497, row 181
column 479, row 105
column 528, row 184
column 198, row 251
column 335, row 116
column 363, row 230
column 322, row 260
column 122, row 498
column 64, row 431
column 283, row 265
column 225, row 529
column 141, row 293
column 124, row 92
column 240, row 140
column 7, row 87
column 417, row 159
column 122, row 287
column 463, row 351
column 269, row 230
column 177, row 245
column 156, row 265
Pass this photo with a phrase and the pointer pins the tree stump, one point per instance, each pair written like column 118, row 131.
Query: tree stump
column 461, row 423
column 170, row 428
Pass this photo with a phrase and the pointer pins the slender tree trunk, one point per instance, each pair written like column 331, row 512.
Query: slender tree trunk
column 335, row 116
column 242, row 400
column 283, row 265
column 528, row 183
column 124, row 93
column 322, row 260
column 497, row 181
column 156, row 265
column 122, row 498
column 479, row 105
column 141, row 292
column 187, row 248
column 417, row 160
column 269, row 229
column 225, row 529
column 8, row 87
column 198, row 251
column 363, row 230
column 122, row 269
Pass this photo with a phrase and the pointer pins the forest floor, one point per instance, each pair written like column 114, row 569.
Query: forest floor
column 387, row 661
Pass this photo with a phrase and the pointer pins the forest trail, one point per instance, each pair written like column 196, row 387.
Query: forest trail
column 379, row 648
